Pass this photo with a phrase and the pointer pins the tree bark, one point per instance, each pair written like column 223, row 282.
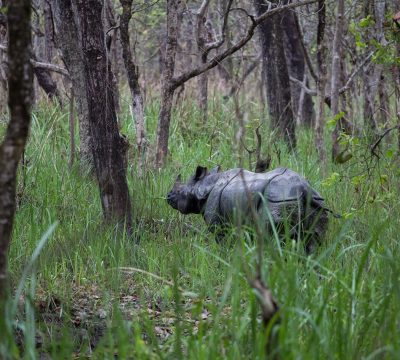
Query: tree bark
column 203, row 37
column 277, row 76
column 112, row 49
column 297, row 68
column 47, row 83
column 108, row 147
column 67, row 36
column 372, row 73
column 336, row 77
column 42, row 51
column 48, row 31
column 174, row 7
column 132, row 72
column 3, row 61
column 321, row 55
column 20, row 84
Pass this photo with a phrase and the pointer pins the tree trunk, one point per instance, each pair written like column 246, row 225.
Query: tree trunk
column 112, row 49
column 48, row 31
column 297, row 68
column 203, row 37
column 67, row 36
column 277, row 76
column 20, row 85
column 133, row 80
column 42, row 52
column 384, row 103
column 321, row 55
column 47, row 83
column 107, row 144
column 3, row 62
column 202, row 83
column 167, row 88
column 336, row 77
column 372, row 74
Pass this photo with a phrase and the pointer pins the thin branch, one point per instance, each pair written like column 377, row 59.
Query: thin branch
column 112, row 28
column 308, row 91
column 203, row 8
column 247, row 72
column 218, row 43
column 343, row 89
column 50, row 67
column 356, row 70
column 255, row 21
column 305, row 51
column 378, row 141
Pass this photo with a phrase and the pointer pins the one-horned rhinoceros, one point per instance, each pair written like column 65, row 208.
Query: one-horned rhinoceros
column 223, row 197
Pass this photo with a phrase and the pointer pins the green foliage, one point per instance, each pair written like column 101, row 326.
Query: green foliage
column 331, row 123
column 385, row 51
column 179, row 294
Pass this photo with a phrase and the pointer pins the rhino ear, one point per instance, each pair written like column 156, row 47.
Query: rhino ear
column 216, row 170
column 178, row 180
column 200, row 172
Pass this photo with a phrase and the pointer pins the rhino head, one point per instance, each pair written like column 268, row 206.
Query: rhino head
column 191, row 197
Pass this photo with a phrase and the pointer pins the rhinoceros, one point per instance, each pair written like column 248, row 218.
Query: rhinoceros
column 224, row 197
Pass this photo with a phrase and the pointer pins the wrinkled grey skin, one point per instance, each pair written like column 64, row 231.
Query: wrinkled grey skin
column 222, row 199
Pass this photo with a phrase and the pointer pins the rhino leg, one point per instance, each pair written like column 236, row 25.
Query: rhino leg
column 315, row 226
column 309, row 223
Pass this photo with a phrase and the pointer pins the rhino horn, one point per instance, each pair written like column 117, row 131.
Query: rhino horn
column 200, row 172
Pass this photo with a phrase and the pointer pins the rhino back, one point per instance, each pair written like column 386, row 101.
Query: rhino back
column 229, row 196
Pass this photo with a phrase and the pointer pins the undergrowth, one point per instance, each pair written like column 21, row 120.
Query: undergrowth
column 172, row 292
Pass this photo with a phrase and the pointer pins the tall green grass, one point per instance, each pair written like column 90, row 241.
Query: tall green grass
column 183, row 295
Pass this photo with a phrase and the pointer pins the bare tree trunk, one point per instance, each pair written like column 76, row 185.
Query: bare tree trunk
column 396, row 76
column 109, row 148
column 42, row 40
column 277, row 77
column 47, row 83
column 167, row 90
column 112, row 44
column 71, row 118
column 321, row 54
column 133, row 80
column 372, row 73
column 384, row 108
column 68, row 36
column 297, row 68
column 3, row 62
column 20, row 84
column 48, row 31
column 203, row 37
column 336, row 77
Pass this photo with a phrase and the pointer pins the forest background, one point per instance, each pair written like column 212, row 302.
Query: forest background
column 120, row 97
